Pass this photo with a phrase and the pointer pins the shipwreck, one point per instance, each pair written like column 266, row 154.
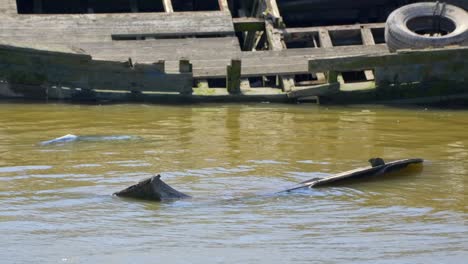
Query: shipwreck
column 339, row 51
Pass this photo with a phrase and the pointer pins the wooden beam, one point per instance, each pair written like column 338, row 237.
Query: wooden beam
column 168, row 6
column 185, row 66
column 326, row 42
column 368, row 40
column 333, row 28
column 233, row 80
column 316, row 90
column 400, row 58
column 223, row 5
column 325, row 39
column 272, row 7
column 274, row 38
column 367, row 37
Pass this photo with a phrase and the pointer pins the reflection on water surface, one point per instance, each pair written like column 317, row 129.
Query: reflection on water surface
column 57, row 208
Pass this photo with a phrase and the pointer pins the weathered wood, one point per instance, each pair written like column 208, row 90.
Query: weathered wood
column 368, row 40
column 82, row 28
column 404, row 57
column 298, row 33
column 223, row 5
column 276, row 43
column 47, row 69
column 272, row 8
column 168, row 6
column 376, row 169
column 152, row 189
column 233, row 80
column 326, row 42
column 316, row 90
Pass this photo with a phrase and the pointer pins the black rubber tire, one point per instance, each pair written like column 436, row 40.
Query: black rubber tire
column 399, row 36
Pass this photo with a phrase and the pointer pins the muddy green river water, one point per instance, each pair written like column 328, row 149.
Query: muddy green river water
column 57, row 207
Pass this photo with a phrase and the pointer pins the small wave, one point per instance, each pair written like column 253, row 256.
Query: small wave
column 24, row 168
column 74, row 138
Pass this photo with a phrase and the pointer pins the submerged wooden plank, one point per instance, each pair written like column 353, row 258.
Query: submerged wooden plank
column 377, row 169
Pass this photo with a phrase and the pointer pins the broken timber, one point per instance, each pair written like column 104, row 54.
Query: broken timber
column 151, row 51
column 155, row 189
column 374, row 170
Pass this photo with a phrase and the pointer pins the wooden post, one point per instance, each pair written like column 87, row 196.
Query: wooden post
column 223, row 5
column 276, row 43
column 38, row 6
column 233, row 80
column 368, row 40
column 272, row 6
column 274, row 37
column 326, row 42
column 325, row 39
column 168, row 6
column 186, row 67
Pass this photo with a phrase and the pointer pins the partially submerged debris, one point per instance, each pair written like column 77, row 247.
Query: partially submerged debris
column 152, row 189
column 69, row 138
column 378, row 167
column 155, row 189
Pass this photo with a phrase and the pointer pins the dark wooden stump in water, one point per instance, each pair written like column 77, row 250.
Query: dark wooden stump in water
column 153, row 189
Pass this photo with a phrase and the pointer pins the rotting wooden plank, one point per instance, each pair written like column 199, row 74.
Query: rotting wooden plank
column 168, row 6
column 368, row 40
column 285, row 62
column 377, row 169
column 326, row 42
column 233, row 76
column 186, row 67
column 80, row 28
column 403, row 57
column 223, row 5
column 316, row 90
column 272, row 8
column 275, row 43
column 8, row 7
column 291, row 31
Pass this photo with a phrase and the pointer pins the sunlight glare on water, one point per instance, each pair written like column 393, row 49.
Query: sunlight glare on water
column 57, row 205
